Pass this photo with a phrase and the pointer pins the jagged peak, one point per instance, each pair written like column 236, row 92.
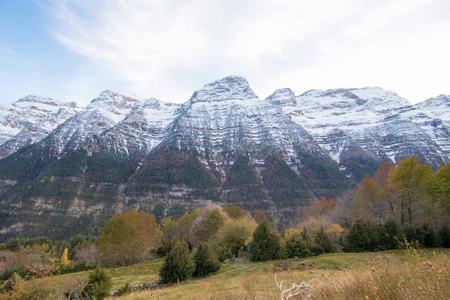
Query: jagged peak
column 43, row 100
column 230, row 79
column 228, row 88
column 282, row 97
column 151, row 102
column 109, row 98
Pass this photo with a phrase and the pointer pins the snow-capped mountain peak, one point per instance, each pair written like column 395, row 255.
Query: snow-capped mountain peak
column 113, row 102
column 30, row 119
column 282, row 97
column 227, row 113
column 37, row 101
column 228, row 88
column 437, row 107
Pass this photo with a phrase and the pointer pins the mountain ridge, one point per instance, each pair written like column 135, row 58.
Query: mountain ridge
column 224, row 145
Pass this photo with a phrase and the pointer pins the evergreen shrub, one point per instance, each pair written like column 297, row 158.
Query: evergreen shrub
column 178, row 265
column 206, row 260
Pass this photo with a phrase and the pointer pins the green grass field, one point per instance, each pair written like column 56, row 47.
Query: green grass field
column 417, row 274
column 340, row 276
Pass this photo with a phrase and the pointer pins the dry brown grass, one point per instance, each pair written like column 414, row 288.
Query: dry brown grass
column 48, row 288
column 423, row 276
column 394, row 275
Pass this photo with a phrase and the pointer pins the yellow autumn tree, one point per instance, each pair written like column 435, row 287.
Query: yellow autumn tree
column 65, row 257
column 440, row 186
column 291, row 234
column 128, row 238
column 438, row 208
column 335, row 232
column 409, row 182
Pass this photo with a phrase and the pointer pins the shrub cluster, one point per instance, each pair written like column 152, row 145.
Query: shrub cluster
column 366, row 235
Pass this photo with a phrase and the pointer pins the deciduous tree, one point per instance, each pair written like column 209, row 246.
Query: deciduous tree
column 235, row 235
column 128, row 238
column 409, row 181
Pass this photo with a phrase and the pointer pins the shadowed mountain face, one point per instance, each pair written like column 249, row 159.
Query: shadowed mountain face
column 65, row 169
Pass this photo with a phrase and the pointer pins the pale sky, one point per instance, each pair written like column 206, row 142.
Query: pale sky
column 72, row 50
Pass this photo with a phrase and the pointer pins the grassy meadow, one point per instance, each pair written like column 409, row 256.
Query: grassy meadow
column 417, row 274
column 397, row 274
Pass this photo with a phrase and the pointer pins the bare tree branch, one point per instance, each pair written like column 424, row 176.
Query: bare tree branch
column 295, row 290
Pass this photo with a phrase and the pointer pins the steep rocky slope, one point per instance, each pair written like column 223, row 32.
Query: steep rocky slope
column 29, row 120
column 360, row 128
column 65, row 169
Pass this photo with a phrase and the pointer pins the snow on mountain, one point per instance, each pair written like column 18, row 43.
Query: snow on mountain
column 29, row 120
column 437, row 107
column 144, row 126
column 224, row 145
column 376, row 121
column 284, row 97
column 116, row 123
column 226, row 117
column 433, row 115
column 228, row 88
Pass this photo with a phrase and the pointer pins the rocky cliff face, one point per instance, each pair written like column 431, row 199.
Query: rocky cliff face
column 70, row 167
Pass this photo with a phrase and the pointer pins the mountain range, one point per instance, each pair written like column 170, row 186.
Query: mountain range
column 65, row 169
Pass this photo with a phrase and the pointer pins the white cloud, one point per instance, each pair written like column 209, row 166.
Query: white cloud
column 170, row 48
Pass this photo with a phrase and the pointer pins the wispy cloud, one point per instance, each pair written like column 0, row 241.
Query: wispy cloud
column 169, row 48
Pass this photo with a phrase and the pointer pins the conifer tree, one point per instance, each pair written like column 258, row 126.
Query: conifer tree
column 179, row 264
column 322, row 243
column 99, row 284
column 295, row 245
column 390, row 233
column 363, row 236
column 206, row 260
column 444, row 236
column 266, row 244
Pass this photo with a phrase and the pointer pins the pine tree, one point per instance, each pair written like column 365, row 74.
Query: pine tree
column 390, row 233
column 444, row 236
column 206, row 261
column 322, row 243
column 431, row 238
column 363, row 236
column 179, row 264
column 295, row 245
column 266, row 244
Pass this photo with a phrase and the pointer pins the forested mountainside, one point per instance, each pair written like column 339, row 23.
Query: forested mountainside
column 64, row 169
